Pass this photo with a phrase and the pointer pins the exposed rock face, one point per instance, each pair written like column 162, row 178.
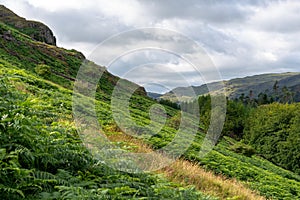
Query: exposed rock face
column 35, row 30
column 43, row 33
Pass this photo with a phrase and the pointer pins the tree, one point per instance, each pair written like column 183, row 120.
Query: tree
column 275, row 89
column 273, row 130
column 236, row 116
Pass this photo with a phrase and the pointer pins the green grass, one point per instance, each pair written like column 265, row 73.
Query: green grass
column 42, row 157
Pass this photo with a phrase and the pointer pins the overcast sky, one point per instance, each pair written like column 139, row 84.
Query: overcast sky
column 241, row 37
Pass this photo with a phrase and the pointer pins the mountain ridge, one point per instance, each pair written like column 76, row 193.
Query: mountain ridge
column 234, row 88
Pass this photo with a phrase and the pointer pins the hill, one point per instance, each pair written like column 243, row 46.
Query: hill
column 257, row 84
column 42, row 155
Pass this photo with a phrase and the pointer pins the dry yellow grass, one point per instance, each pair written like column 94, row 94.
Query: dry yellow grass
column 188, row 173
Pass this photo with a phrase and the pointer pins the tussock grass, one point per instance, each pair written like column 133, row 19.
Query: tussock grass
column 188, row 173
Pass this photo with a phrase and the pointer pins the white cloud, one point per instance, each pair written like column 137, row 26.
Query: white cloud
column 282, row 16
column 58, row 5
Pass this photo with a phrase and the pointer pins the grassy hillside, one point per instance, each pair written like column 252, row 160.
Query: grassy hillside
column 42, row 156
column 263, row 83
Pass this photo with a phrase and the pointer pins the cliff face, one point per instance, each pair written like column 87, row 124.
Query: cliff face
column 42, row 32
column 35, row 30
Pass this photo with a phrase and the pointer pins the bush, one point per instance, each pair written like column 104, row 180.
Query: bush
column 43, row 70
column 242, row 148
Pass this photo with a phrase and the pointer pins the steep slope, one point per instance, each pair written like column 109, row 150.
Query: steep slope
column 236, row 87
column 21, row 50
column 42, row 156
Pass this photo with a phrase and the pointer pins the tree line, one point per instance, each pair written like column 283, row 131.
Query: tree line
column 269, row 122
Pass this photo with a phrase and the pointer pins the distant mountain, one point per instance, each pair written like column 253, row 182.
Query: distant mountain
column 234, row 88
column 153, row 95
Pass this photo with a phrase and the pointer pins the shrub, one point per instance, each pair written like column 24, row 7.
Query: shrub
column 42, row 70
column 242, row 148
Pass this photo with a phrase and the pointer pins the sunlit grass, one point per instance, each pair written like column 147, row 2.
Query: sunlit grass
column 188, row 173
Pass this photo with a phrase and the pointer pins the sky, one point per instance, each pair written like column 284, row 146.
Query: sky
column 240, row 38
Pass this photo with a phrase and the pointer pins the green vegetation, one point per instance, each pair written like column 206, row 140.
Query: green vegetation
column 266, row 132
column 42, row 156
column 238, row 160
column 169, row 103
column 43, row 70
column 236, row 115
column 243, row 149
column 274, row 131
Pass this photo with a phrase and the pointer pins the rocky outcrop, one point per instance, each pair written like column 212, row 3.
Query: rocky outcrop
column 35, row 30
column 43, row 33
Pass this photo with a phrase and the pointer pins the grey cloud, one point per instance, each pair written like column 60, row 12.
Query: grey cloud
column 281, row 19
column 155, row 73
column 83, row 25
column 234, row 33
column 281, row 25
column 77, row 25
column 213, row 39
column 206, row 11
column 291, row 61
